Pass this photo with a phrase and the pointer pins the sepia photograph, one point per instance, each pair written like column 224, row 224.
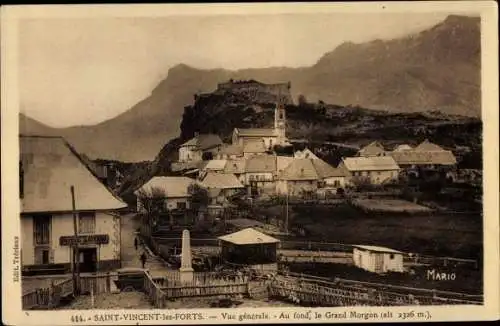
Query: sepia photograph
column 249, row 163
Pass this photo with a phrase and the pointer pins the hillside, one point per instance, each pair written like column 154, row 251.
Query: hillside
column 437, row 69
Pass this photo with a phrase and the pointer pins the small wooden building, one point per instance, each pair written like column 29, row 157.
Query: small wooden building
column 250, row 248
column 378, row 259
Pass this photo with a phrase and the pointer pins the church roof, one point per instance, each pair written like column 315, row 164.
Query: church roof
column 256, row 132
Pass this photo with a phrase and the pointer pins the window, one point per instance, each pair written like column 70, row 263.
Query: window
column 336, row 183
column 181, row 205
column 86, row 222
column 42, row 229
column 391, row 256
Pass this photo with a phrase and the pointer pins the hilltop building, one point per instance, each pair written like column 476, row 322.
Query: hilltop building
column 49, row 166
column 257, row 92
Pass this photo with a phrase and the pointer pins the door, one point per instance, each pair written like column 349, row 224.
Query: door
column 88, row 260
column 379, row 263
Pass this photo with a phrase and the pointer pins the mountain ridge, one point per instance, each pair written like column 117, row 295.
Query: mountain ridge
column 436, row 69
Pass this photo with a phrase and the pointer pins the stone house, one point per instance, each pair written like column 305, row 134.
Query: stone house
column 377, row 169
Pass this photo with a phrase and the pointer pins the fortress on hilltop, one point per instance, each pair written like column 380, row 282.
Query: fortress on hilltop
column 257, row 91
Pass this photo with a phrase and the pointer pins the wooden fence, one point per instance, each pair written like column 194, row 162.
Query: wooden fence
column 159, row 290
column 96, row 284
column 49, row 297
column 337, row 294
column 211, row 246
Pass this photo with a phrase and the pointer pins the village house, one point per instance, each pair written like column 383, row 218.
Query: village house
column 220, row 187
column 426, row 156
column 214, row 166
column 230, row 151
column 373, row 149
column 377, row 259
column 175, row 191
column 306, row 176
column 377, row 169
column 260, row 171
column 306, row 153
column 237, row 168
column 199, row 146
column 227, row 183
column 49, row 167
column 268, row 136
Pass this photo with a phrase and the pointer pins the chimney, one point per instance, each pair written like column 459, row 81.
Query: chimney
column 196, row 133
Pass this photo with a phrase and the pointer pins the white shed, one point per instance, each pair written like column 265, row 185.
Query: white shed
column 377, row 259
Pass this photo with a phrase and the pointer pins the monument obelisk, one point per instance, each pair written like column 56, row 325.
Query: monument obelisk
column 186, row 270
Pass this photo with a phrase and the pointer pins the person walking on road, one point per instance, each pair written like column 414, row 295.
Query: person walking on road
column 136, row 243
column 143, row 260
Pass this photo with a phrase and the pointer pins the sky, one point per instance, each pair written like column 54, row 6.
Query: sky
column 82, row 71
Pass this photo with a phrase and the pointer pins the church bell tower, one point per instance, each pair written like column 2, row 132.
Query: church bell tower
column 280, row 122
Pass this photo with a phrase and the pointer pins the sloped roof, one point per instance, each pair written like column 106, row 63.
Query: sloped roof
column 403, row 147
column 235, row 166
column 261, row 163
column 174, row 187
column 231, row 149
column 282, row 162
column 254, row 147
column 299, row 169
column 309, row 169
column 248, row 236
column 256, row 132
column 373, row 148
column 374, row 163
column 420, row 157
column 306, row 153
column 325, row 170
column 50, row 166
column 204, row 141
column 427, row 146
column 377, row 249
column 221, row 181
column 215, row 165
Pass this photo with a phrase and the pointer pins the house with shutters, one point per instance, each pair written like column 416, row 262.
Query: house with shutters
column 52, row 177
column 260, row 173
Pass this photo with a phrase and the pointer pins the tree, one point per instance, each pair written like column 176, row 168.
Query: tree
column 199, row 197
column 153, row 203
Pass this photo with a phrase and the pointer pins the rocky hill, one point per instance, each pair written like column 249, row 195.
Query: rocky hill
column 437, row 69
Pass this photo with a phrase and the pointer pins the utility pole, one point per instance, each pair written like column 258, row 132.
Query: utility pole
column 286, row 213
column 76, row 251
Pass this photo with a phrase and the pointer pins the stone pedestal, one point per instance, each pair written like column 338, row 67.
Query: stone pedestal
column 186, row 270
